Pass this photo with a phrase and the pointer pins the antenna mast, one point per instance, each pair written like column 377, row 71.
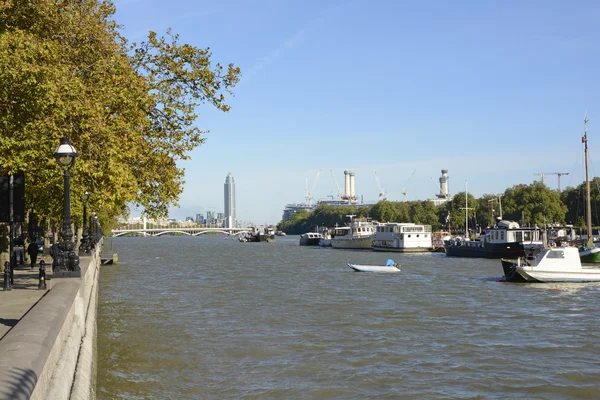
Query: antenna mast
column 588, row 218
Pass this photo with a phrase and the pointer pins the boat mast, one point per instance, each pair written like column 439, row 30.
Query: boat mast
column 466, row 211
column 590, row 241
column 466, row 208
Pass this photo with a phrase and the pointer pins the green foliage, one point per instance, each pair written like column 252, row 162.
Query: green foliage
column 533, row 204
column 420, row 212
column 65, row 71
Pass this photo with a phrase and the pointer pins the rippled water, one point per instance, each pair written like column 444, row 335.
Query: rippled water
column 213, row 318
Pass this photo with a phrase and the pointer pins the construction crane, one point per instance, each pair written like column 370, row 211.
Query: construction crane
column 309, row 195
column 382, row 192
column 404, row 186
column 559, row 174
column 341, row 194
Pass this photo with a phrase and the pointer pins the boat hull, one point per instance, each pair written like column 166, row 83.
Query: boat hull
column 309, row 241
column 512, row 250
column 374, row 268
column 402, row 249
column 558, row 276
column 590, row 256
column 365, row 243
column 510, row 272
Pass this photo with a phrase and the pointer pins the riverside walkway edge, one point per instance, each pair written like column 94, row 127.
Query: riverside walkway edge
column 50, row 352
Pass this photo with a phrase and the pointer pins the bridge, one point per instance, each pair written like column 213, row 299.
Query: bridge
column 178, row 231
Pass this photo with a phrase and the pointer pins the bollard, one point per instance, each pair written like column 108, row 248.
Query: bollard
column 7, row 276
column 42, row 284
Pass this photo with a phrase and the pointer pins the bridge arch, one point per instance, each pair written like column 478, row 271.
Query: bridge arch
column 169, row 232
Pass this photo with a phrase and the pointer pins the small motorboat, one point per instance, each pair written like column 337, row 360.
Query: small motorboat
column 390, row 266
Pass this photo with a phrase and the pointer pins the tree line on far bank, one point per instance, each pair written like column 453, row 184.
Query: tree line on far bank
column 533, row 204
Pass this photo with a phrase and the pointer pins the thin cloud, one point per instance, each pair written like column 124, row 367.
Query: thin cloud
column 299, row 36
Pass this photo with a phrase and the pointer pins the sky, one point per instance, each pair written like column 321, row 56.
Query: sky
column 494, row 92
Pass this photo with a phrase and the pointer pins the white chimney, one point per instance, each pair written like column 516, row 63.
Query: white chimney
column 347, row 183
column 352, row 192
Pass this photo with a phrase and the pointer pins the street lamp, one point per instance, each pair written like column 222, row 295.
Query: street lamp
column 84, row 247
column 66, row 260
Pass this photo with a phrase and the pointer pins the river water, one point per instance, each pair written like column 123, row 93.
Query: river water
column 213, row 318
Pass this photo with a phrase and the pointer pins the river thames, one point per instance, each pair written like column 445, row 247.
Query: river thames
column 213, row 318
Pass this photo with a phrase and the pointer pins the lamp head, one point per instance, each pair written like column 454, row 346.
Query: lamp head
column 86, row 196
column 65, row 154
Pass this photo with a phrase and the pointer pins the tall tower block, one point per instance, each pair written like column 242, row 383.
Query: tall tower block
column 229, row 201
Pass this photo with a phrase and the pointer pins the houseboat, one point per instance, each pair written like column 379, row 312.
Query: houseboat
column 359, row 235
column 505, row 240
column 402, row 237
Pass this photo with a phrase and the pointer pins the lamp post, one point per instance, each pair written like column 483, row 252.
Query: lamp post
column 84, row 247
column 66, row 260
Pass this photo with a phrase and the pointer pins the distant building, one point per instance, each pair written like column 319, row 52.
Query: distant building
column 210, row 217
column 229, row 200
column 189, row 219
column 199, row 218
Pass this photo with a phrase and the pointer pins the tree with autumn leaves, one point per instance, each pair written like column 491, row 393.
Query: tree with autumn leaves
column 128, row 109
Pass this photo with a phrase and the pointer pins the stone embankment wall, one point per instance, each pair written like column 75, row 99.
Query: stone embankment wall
column 50, row 353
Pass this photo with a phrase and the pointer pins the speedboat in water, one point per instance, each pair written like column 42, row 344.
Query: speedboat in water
column 390, row 266
column 552, row 264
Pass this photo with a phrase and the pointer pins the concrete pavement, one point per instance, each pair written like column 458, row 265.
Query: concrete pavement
column 14, row 304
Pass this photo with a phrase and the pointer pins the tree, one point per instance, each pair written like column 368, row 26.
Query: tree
column 533, row 204
column 456, row 210
column 129, row 110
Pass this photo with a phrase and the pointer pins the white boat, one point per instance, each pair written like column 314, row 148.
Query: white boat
column 402, row 237
column 310, row 239
column 390, row 266
column 359, row 235
column 557, row 264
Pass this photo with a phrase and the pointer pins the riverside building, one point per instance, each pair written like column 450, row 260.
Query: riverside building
column 229, row 201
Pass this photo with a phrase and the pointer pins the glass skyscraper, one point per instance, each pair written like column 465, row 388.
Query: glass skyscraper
column 229, row 201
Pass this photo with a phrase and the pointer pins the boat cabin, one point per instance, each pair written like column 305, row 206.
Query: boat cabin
column 402, row 235
column 509, row 232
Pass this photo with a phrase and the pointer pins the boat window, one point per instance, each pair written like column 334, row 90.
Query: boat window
column 496, row 235
column 502, row 235
column 402, row 236
column 519, row 236
column 527, row 235
column 408, row 235
column 425, row 235
column 556, row 254
column 418, row 235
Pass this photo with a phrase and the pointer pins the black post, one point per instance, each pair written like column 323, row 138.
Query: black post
column 7, row 276
column 42, row 283
column 85, row 239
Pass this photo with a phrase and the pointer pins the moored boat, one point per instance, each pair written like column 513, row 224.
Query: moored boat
column 359, row 235
column 258, row 234
column 310, row 239
column 506, row 240
column 402, row 237
column 555, row 264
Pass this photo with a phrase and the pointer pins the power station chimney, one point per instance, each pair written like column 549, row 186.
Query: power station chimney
column 347, row 184
column 352, row 192
column 444, row 192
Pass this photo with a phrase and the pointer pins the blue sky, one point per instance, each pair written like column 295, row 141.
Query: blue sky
column 492, row 91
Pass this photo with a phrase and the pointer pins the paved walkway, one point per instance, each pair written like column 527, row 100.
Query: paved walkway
column 14, row 304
